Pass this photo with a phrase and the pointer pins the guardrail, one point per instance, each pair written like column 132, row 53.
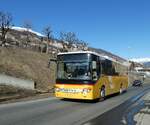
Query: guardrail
column 17, row 82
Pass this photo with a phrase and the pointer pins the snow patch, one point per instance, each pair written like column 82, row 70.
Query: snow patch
column 140, row 60
column 25, row 29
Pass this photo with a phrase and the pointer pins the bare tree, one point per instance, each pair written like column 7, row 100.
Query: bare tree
column 5, row 24
column 48, row 33
column 68, row 37
column 28, row 26
column 83, row 44
column 63, row 41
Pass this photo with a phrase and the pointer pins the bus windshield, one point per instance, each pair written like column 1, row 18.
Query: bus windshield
column 74, row 70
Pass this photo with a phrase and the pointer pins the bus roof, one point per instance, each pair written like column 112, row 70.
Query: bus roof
column 95, row 53
column 78, row 52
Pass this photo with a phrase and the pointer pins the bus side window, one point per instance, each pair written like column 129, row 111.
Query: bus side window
column 94, row 70
column 108, row 68
column 103, row 67
column 96, row 67
column 98, row 70
column 114, row 67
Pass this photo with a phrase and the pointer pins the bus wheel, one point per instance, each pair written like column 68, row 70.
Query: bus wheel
column 102, row 93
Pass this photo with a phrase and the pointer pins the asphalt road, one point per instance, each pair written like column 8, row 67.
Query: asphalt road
column 52, row 111
column 124, row 114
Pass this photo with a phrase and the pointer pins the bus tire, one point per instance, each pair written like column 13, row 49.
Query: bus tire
column 125, row 90
column 102, row 93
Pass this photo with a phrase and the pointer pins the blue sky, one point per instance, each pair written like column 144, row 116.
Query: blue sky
column 119, row 26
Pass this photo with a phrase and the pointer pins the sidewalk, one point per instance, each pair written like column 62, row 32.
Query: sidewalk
column 143, row 116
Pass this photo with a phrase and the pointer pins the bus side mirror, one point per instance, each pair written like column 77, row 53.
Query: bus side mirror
column 93, row 65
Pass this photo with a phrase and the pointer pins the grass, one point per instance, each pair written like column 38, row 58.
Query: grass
column 28, row 64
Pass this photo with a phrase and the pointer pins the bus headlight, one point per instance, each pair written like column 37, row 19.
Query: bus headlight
column 86, row 91
column 57, row 89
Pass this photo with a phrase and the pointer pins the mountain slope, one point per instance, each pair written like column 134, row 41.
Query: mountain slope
column 140, row 60
column 27, row 64
column 19, row 61
column 146, row 64
column 144, row 61
column 18, row 35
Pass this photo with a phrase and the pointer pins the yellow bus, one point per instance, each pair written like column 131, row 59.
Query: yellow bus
column 89, row 75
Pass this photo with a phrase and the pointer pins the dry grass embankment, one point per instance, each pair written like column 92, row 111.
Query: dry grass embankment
column 28, row 64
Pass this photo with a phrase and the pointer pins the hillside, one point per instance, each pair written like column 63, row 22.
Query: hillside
column 17, row 36
column 144, row 61
column 146, row 64
column 109, row 54
column 28, row 65
column 30, row 61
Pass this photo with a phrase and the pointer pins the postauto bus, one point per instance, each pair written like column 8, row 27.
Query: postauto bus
column 89, row 75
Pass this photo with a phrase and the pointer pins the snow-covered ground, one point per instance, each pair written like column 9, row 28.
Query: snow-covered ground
column 25, row 29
